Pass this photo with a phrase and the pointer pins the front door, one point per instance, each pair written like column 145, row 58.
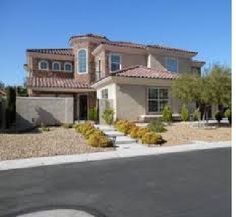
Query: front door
column 83, row 107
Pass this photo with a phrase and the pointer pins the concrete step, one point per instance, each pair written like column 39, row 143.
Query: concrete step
column 124, row 140
column 113, row 133
column 104, row 128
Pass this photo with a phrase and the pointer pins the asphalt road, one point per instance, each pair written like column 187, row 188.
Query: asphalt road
column 194, row 184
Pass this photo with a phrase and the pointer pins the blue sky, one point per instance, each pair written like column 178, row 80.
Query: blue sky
column 200, row 25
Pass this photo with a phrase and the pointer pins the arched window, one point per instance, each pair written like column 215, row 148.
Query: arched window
column 82, row 61
column 56, row 66
column 68, row 67
column 43, row 65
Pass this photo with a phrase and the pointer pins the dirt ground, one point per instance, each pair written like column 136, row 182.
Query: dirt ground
column 183, row 133
column 58, row 141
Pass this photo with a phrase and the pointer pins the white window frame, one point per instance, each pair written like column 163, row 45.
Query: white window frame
column 68, row 63
column 39, row 64
column 177, row 63
column 158, row 100
column 56, row 62
column 86, row 61
column 106, row 92
column 115, row 54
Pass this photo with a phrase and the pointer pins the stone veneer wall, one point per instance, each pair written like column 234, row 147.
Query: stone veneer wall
column 32, row 111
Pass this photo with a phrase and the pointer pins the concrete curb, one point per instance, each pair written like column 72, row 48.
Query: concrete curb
column 119, row 153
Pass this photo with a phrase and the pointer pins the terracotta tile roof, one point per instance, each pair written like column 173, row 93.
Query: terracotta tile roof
column 44, row 82
column 124, row 44
column 89, row 35
column 144, row 72
column 172, row 49
column 58, row 51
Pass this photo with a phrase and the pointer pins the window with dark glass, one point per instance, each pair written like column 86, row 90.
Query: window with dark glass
column 172, row 64
column 68, row 67
column 115, row 62
column 43, row 64
column 82, row 61
column 56, row 66
column 157, row 99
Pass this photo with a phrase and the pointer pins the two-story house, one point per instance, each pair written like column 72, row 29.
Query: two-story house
column 134, row 78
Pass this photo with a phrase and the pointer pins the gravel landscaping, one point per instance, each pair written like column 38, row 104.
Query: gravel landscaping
column 57, row 141
column 183, row 133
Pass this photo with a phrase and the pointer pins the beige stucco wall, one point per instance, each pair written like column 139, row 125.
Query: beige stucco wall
column 32, row 111
column 159, row 62
column 111, row 96
column 131, row 101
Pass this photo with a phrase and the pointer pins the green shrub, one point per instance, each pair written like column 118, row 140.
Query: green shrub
column 97, row 140
column 228, row 115
column 152, row 138
column 167, row 114
column 184, row 113
column 196, row 115
column 67, row 125
column 92, row 114
column 108, row 116
column 156, row 126
column 218, row 116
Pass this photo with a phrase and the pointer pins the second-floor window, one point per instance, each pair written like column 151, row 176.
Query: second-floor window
column 68, row 67
column 43, row 65
column 115, row 62
column 82, row 61
column 172, row 64
column 56, row 66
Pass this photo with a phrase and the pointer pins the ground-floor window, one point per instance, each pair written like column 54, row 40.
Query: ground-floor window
column 157, row 99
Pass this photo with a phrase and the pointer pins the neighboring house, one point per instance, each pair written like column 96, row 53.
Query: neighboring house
column 2, row 93
column 134, row 78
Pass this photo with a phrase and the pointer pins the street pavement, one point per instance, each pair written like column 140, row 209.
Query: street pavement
column 190, row 184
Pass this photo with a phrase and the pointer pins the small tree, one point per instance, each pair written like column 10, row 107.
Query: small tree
column 108, row 115
column 10, row 106
column 228, row 114
column 92, row 113
column 184, row 113
column 167, row 114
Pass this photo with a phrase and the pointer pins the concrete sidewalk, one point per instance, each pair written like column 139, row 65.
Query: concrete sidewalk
column 118, row 153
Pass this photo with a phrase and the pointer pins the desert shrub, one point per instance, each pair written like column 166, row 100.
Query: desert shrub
column 97, row 140
column 156, row 126
column 124, row 126
column 89, row 132
column 92, row 114
column 228, row 115
column 142, row 131
column 184, row 113
column 67, row 125
column 196, row 115
column 83, row 127
column 152, row 138
column 108, row 115
column 134, row 132
column 167, row 114
column 218, row 116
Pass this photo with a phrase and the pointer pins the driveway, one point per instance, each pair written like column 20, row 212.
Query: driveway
column 190, row 184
